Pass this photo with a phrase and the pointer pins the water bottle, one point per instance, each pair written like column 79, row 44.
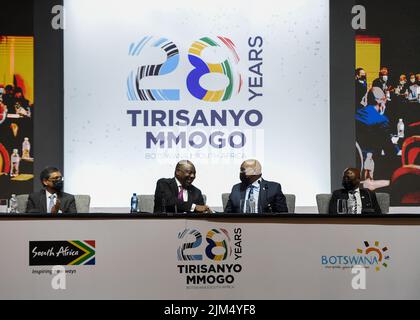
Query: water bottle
column 13, row 204
column 401, row 128
column 134, row 204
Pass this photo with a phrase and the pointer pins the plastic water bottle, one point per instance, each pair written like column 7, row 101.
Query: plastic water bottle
column 134, row 203
column 13, row 204
column 401, row 128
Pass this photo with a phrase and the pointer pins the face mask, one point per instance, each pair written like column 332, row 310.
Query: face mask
column 402, row 82
column 385, row 78
column 59, row 185
column 244, row 178
column 413, row 80
column 348, row 184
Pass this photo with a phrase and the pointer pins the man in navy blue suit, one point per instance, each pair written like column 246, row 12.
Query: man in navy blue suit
column 266, row 195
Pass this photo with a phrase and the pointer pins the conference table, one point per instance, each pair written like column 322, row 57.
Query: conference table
column 209, row 256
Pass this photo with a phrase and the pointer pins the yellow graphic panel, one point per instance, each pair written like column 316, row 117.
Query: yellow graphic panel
column 368, row 56
column 17, row 63
column 23, row 177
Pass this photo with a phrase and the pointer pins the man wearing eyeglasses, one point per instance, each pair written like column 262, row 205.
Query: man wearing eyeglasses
column 51, row 199
column 178, row 195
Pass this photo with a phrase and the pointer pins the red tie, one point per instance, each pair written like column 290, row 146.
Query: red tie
column 181, row 194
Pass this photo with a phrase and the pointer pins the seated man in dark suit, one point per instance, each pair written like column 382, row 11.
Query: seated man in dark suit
column 364, row 199
column 267, row 195
column 52, row 199
column 178, row 194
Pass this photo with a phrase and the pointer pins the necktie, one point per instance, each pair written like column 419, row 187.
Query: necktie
column 51, row 203
column 181, row 194
column 251, row 193
column 355, row 202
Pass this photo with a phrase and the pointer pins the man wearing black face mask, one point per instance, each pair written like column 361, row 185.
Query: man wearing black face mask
column 52, row 199
column 365, row 200
column 361, row 88
column 267, row 195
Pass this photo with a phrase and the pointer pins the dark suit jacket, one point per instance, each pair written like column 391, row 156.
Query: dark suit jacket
column 369, row 202
column 167, row 189
column 270, row 196
column 37, row 203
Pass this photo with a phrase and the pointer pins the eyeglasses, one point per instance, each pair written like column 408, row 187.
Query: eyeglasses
column 56, row 179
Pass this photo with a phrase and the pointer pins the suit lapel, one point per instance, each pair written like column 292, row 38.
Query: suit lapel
column 174, row 188
column 43, row 200
column 62, row 199
column 364, row 196
column 242, row 194
column 262, row 196
column 345, row 195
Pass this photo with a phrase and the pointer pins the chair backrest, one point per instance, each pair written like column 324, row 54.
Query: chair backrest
column 225, row 199
column 290, row 201
column 22, row 202
column 82, row 203
column 323, row 202
column 147, row 202
column 384, row 201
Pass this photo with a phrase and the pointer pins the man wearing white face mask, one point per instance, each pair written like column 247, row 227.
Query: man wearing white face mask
column 373, row 125
column 402, row 88
column 413, row 88
column 382, row 82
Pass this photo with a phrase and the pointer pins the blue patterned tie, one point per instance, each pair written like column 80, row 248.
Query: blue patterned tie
column 51, row 204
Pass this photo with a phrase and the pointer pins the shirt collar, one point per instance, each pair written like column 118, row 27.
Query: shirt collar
column 178, row 184
column 49, row 194
column 257, row 183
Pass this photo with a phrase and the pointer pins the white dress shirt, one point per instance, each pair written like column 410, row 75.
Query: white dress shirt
column 356, row 194
column 256, row 193
column 48, row 199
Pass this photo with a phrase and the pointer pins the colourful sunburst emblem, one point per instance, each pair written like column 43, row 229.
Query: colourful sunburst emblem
column 383, row 257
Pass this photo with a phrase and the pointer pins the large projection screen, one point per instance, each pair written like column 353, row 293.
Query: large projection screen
column 216, row 82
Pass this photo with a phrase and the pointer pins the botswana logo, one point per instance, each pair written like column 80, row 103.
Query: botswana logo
column 370, row 257
column 62, row 253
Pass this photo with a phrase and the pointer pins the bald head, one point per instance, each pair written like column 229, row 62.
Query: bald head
column 185, row 173
column 251, row 167
column 251, row 171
